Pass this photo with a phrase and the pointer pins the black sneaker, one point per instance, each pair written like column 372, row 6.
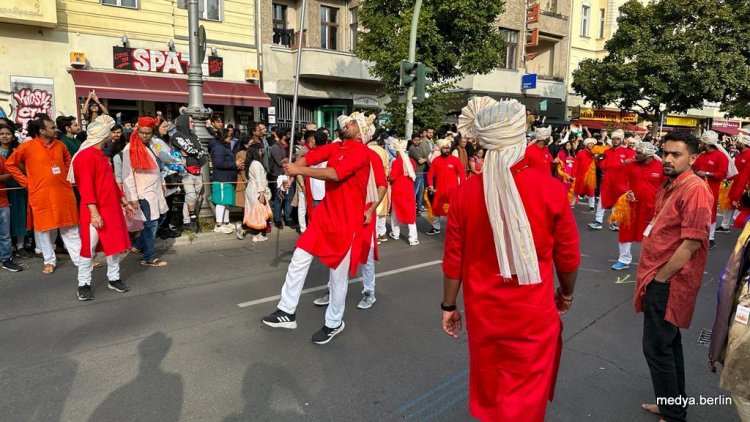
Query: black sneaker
column 281, row 319
column 84, row 293
column 432, row 232
column 118, row 286
column 22, row 253
column 278, row 225
column 11, row 266
column 325, row 334
column 722, row 230
column 711, row 244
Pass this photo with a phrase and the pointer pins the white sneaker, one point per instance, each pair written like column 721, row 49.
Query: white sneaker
column 228, row 228
column 393, row 236
column 413, row 242
column 259, row 238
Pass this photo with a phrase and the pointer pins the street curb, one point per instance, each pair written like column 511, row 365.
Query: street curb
column 211, row 237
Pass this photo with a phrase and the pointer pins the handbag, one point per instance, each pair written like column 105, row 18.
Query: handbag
column 194, row 170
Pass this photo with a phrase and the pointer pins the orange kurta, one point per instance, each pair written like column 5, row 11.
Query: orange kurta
column 51, row 198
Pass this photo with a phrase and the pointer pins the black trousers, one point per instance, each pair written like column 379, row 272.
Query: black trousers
column 662, row 347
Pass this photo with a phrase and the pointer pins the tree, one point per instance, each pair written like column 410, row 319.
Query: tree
column 454, row 38
column 667, row 56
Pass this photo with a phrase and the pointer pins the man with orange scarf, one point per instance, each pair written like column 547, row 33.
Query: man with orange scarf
column 584, row 173
column 144, row 189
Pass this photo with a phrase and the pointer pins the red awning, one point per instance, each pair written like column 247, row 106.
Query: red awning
column 731, row 131
column 133, row 86
column 601, row 124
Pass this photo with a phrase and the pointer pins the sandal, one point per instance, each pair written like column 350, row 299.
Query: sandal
column 97, row 264
column 156, row 262
column 48, row 269
column 135, row 250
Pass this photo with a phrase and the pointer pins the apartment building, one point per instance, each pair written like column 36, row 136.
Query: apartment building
column 132, row 53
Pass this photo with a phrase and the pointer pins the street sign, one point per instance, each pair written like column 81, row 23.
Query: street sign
column 528, row 81
column 201, row 43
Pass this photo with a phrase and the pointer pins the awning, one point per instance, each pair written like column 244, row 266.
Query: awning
column 731, row 131
column 602, row 124
column 134, row 86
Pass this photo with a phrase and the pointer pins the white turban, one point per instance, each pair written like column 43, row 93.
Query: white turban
column 500, row 128
column 589, row 141
column 97, row 131
column 443, row 143
column 710, row 137
column 366, row 130
column 343, row 120
column 744, row 140
column 400, row 147
column 543, row 133
column 647, row 148
column 619, row 134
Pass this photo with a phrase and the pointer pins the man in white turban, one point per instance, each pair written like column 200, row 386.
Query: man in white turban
column 714, row 165
column 336, row 223
column 402, row 177
column 643, row 177
column 741, row 162
column 507, row 269
column 445, row 175
column 537, row 153
column 613, row 183
column 102, row 224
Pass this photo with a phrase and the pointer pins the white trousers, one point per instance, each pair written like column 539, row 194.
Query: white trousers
column 368, row 271
column 592, row 201
column 436, row 222
column 222, row 214
column 625, row 256
column 86, row 265
column 712, row 231
column 302, row 210
column 396, row 229
column 380, row 228
column 70, row 238
column 727, row 216
column 600, row 211
column 338, row 282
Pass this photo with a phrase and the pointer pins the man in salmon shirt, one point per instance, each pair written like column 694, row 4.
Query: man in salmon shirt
column 504, row 241
column 339, row 218
column 45, row 162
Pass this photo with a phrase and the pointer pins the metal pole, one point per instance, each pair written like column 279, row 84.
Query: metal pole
column 412, row 58
column 296, row 77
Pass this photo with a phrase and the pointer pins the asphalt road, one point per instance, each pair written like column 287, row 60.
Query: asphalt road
column 178, row 346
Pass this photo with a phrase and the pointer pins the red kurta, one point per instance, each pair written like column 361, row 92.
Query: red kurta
column 338, row 218
column 51, row 199
column 96, row 185
column 539, row 158
column 742, row 160
column 716, row 163
column 366, row 237
column 614, row 183
column 644, row 179
column 445, row 174
column 402, row 192
column 514, row 331
column 581, row 165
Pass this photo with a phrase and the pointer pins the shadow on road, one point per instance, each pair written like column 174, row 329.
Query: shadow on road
column 154, row 395
column 271, row 393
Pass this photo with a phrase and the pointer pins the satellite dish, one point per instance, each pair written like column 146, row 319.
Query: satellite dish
column 201, row 43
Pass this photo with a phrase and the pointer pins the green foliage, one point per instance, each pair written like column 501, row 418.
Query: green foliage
column 454, row 37
column 677, row 53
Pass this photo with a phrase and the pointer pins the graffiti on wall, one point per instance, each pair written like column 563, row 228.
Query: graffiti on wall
column 30, row 96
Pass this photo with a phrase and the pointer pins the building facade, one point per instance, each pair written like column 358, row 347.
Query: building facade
column 132, row 53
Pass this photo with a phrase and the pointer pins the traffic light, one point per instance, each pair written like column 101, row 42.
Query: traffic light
column 423, row 81
column 408, row 73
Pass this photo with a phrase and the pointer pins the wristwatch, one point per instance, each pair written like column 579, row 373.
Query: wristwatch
column 448, row 308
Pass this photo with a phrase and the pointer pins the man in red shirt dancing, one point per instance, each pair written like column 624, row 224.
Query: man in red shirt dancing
column 446, row 173
column 714, row 165
column 537, row 153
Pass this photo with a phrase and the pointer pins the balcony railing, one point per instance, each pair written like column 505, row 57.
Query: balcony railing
column 283, row 37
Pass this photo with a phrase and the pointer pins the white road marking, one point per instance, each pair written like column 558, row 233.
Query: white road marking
column 590, row 270
column 354, row 280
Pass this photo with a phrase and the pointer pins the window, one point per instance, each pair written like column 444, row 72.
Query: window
column 585, row 19
column 122, row 3
column 602, row 17
column 209, row 9
column 552, row 6
column 328, row 27
column 511, row 48
column 353, row 28
column 279, row 16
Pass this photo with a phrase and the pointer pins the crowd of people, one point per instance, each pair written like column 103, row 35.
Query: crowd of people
column 507, row 186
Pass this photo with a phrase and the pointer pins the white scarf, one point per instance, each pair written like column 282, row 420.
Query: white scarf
column 96, row 132
column 500, row 129
column 400, row 147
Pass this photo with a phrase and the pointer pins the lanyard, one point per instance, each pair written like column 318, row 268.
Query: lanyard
column 48, row 149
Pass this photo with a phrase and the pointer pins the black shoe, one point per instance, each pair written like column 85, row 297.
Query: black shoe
column 118, row 286
column 11, row 266
column 432, row 232
column 281, row 319
column 21, row 253
column 192, row 226
column 711, row 244
column 291, row 224
column 84, row 293
column 278, row 225
column 169, row 234
column 722, row 230
column 325, row 334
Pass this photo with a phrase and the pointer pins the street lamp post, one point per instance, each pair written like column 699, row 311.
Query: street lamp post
column 412, row 59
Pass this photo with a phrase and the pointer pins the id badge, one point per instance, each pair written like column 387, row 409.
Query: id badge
column 55, row 170
column 648, row 230
column 742, row 315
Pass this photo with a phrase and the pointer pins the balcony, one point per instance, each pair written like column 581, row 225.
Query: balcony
column 317, row 63
column 283, row 37
column 34, row 13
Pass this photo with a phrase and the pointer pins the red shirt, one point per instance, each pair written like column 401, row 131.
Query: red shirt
column 338, row 218
column 3, row 193
column 402, row 192
column 581, row 166
column 539, row 158
column 514, row 331
column 366, row 236
column 614, row 183
column 445, row 174
column 644, row 179
column 683, row 210
column 741, row 160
